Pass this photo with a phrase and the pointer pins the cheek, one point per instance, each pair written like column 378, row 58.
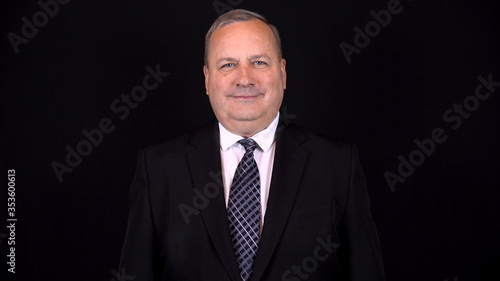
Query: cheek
column 275, row 86
column 217, row 96
column 275, row 80
column 219, row 85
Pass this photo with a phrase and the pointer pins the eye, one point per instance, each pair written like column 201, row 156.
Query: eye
column 227, row 65
column 259, row 62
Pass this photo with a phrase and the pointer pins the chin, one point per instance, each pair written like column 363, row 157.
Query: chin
column 246, row 115
column 246, row 118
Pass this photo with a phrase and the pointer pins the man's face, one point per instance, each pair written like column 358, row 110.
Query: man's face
column 245, row 77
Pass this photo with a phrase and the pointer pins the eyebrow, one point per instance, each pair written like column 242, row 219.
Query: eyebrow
column 225, row 59
column 259, row 57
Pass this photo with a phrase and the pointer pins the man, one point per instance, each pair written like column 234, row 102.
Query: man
column 246, row 197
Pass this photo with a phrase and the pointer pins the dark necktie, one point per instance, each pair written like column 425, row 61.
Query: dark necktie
column 244, row 209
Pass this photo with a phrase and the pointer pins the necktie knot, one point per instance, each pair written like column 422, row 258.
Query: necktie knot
column 249, row 144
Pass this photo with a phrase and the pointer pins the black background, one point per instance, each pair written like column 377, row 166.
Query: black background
column 442, row 222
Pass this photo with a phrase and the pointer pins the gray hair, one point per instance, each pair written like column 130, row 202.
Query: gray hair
column 239, row 15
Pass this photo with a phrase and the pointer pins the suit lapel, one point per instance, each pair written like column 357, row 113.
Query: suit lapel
column 205, row 165
column 289, row 162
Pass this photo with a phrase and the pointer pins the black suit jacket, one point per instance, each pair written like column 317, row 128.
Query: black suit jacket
column 318, row 224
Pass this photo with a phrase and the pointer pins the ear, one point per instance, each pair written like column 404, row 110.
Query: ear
column 283, row 72
column 205, row 72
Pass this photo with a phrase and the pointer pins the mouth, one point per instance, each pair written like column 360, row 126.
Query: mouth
column 244, row 97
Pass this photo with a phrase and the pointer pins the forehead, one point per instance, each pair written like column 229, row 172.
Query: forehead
column 243, row 35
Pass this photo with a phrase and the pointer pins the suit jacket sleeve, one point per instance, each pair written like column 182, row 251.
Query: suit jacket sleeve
column 360, row 252
column 139, row 252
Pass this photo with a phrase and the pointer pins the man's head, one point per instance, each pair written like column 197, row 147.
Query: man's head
column 245, row 74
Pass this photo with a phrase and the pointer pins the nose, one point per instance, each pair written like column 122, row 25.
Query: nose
column 245, row 78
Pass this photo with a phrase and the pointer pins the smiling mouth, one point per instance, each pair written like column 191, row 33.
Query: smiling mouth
column 245, row 97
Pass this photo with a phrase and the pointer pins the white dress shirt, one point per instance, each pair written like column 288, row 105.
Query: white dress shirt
column 231, row 153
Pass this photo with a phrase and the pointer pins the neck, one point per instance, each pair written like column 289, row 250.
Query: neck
column 245, row 129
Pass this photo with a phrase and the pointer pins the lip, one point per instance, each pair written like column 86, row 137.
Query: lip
column 244, row 97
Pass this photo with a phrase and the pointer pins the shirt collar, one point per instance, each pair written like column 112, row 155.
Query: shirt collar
column 264, row 138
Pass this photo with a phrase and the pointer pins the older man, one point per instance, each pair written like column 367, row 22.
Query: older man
column 246, row 197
